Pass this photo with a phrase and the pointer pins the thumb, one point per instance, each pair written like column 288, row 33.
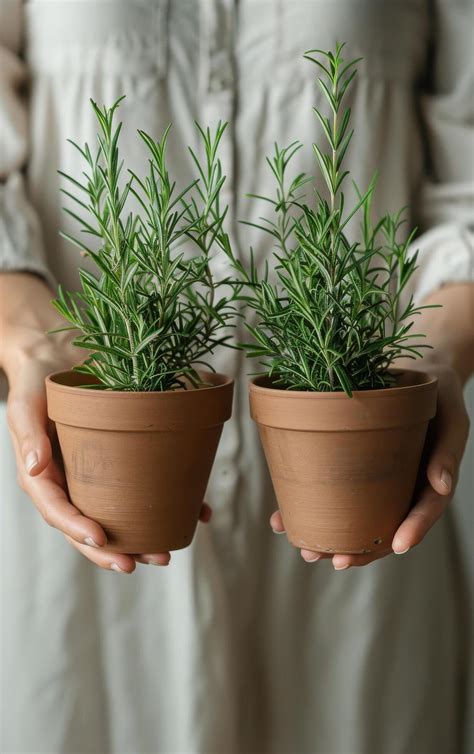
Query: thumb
column 28, row 423
column 451, row 431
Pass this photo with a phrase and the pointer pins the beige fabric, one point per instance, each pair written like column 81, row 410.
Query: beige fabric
column 239, row 646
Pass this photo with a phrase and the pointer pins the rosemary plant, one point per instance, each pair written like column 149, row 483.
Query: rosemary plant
column 333, row 320
column 151, row 314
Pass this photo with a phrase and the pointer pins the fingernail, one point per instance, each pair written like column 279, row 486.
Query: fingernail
column 447, row 479
column 341, row 568
column 401, row 552
column 313, row 559
column 116, row 567
column 91, row 542
column 154, row 561
column 31, row 461
column 277, row 531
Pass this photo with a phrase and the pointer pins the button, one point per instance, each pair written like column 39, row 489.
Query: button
column 218, row 84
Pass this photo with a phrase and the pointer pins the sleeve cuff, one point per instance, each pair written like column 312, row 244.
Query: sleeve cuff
column 445, row 255
column 21, row 246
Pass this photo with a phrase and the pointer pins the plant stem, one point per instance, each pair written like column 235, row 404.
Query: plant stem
column 332, row 195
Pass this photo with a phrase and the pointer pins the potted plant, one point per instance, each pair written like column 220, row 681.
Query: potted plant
column 342, row 430
column 139, row 420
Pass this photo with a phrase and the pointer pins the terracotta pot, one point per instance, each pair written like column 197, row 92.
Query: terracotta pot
column 344, row 469
column 139, row 463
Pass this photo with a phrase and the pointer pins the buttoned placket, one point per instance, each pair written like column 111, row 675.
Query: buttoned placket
column 216, row 103
column 217, row 86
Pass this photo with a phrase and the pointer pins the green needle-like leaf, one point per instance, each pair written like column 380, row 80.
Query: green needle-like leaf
column 153, row 312
column 333, row 320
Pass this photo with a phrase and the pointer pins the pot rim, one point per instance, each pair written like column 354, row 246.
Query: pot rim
column 366, row 410
column 154, row 411
column 424, row 381
column 224, row 381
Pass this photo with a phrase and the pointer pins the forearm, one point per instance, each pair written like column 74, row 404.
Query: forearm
column 450, row 329
column 26, row 315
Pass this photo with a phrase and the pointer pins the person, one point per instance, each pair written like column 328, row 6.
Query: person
column 238, row 646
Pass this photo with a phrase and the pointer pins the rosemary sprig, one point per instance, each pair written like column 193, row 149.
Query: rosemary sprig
column 333, row 320
column 153, row 312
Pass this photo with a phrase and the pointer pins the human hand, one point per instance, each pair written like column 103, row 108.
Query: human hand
column 446, row 444
column 28, row 355
column 40, row 472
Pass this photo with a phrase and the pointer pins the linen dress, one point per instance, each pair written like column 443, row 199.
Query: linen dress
column 238, row 646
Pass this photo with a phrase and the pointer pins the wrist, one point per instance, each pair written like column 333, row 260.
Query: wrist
column 448, row 330
column 26, row 316
column 22, row 345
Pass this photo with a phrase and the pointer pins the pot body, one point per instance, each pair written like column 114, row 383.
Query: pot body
column 139, row 463
column 344, row 469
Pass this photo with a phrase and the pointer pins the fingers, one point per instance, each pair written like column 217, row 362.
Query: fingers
column 343, row 562
column 158, row 559
column 451, row 431
column 278, row 527
column 448, row 441
column 424, row 514
column 163, row 558
column 51, row 501
column 111, row 561
column 421, row 518
column 276, row 522
column 340, row 562
column 205, row 514
column 311, row 556
column 127, row 563
column 28, row 422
